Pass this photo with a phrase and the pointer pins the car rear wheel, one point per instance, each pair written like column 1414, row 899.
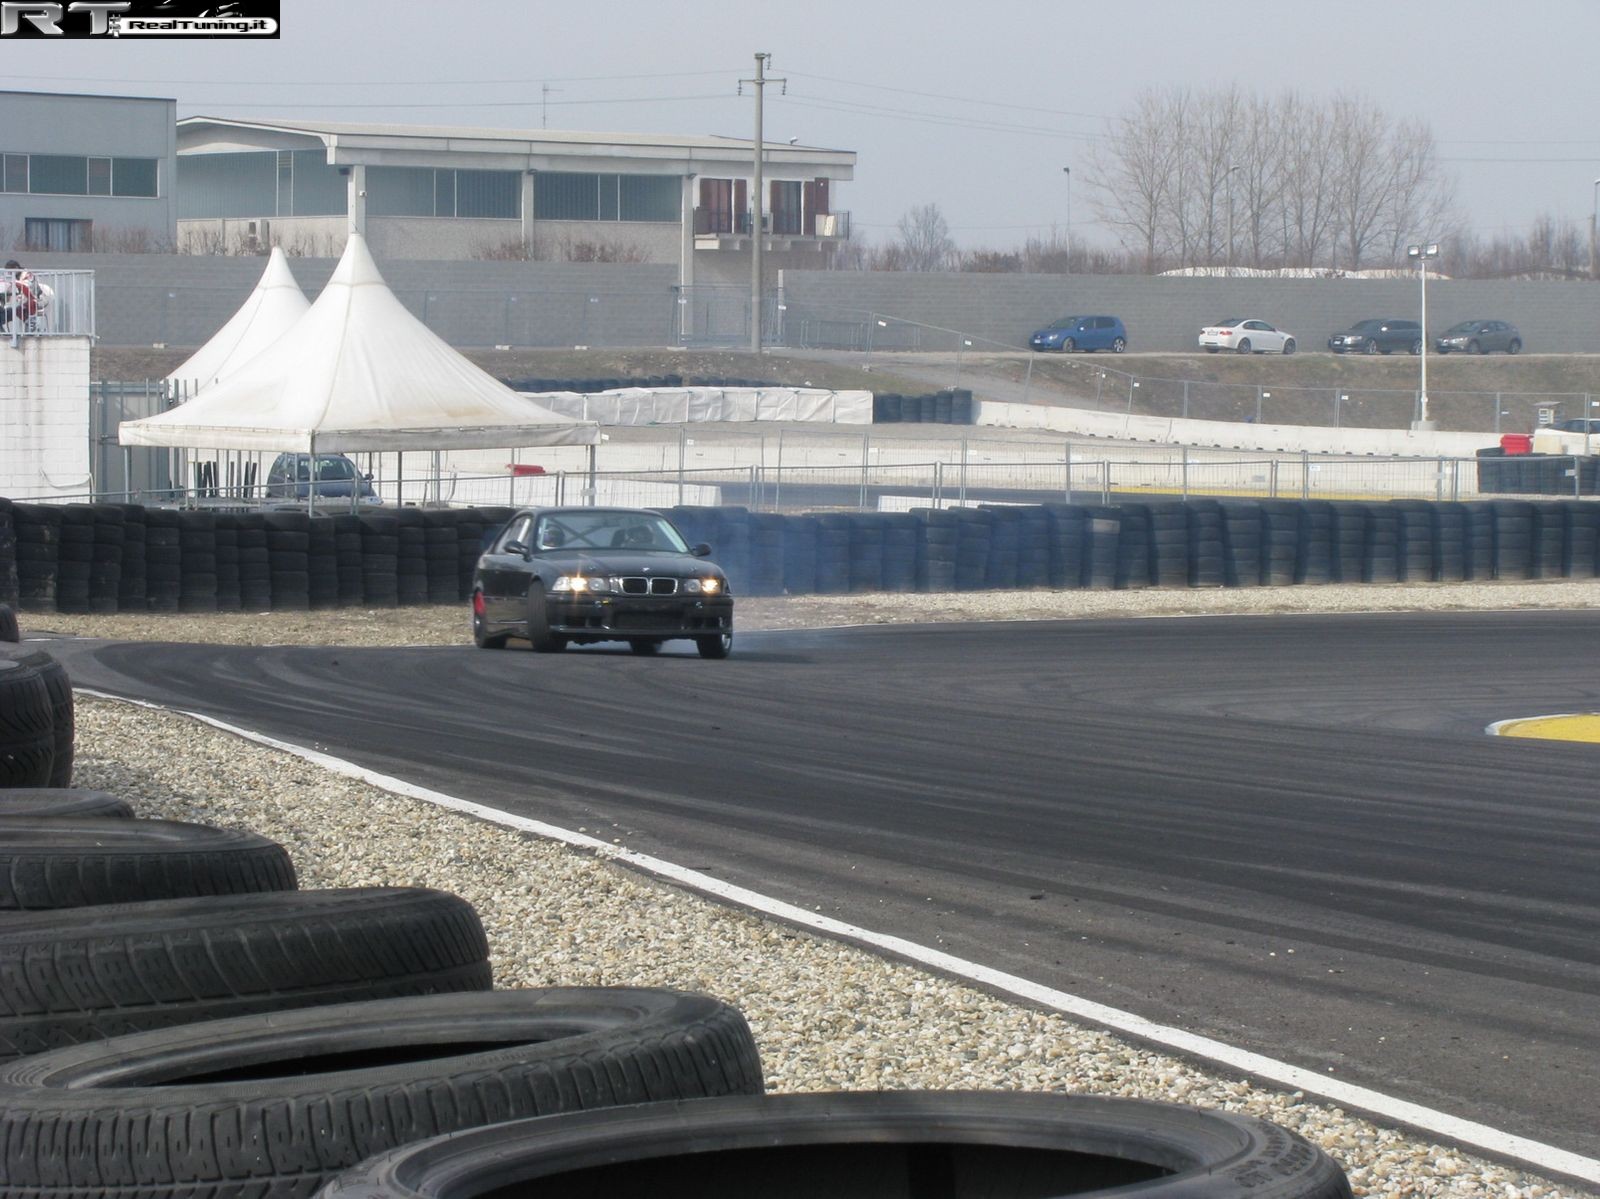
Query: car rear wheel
column 1370, row 346
column 1068, row 345
column 1288, row 345
column 481, row 637
column 539, row 634
column 1416, row 347
column 1514, row 348
column 1118, row 345
column 1244, row 346
column 717, row 646
column 645, row 649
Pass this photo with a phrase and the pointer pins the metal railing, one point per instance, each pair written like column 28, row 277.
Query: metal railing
column 62, row 304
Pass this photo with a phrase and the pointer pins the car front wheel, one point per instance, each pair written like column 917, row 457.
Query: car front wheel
column 1288, row 345
column 539, row 634
column 1474, row 348
column 1416, row 348
column 1371, row 346
column 1068, row 345
column 719, row 645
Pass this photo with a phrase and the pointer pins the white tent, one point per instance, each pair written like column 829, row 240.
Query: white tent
column 358, row 372
column 272, row 309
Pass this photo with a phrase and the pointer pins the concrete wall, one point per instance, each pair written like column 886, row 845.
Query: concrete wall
column 44, row 413
column 1167, row 313
column 100, row 127
column 181, row 300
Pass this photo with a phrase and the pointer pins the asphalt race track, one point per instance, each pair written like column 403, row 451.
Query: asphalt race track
column 1288, row 833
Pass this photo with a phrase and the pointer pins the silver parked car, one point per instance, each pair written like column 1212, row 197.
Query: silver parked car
column 1479, row 337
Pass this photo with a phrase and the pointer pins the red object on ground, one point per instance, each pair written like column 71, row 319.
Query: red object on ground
column 520, row 469
column 1516, row 443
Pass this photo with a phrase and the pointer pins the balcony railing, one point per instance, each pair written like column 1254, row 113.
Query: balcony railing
column 782, row 223
column 62, row 304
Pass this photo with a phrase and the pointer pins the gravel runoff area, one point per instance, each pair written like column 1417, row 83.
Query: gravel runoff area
column 827, row 1015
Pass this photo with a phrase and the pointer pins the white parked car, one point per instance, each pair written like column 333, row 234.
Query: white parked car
column 1245, row 336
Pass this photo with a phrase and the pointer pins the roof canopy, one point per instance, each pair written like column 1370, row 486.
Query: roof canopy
column 358, row 372
column 272, row 310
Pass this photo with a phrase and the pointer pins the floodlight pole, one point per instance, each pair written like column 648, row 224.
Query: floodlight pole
column 1422, row 253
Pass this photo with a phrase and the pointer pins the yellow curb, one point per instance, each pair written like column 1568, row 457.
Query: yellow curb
column 1577, row 726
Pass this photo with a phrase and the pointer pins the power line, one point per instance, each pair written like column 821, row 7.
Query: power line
column 459, row 104
column 1060, row 112
column 300, row 83
column 896, row 114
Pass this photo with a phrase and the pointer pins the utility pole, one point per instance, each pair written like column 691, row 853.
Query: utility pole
column 544, row 100
column 760, row 82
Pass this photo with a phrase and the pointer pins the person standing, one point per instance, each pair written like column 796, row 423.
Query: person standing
column 19, row 294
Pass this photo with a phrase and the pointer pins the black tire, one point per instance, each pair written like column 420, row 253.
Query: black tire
column 1288, row 347
column 1068, row 345
column 61, row 801
column 70, row 862
column 540, row 637
column 1515, row 347
column 27, row 726
column 63, row 720
column 718, row 645
column 8, row 625
column 1118, row 345
column 1243, row 347
column 480, row 636
column 91, row 973
column 297, row 1097
column 645, row 649
column 853, row 1143
column 1474, row 348
column 1370, row 346
column 1416, row 348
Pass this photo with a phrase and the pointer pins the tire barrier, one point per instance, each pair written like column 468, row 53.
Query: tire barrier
column 866, row 1145
column 85, row 974
column 1538, row 474
column 62, row 713
column 27, row 726
column 952, row 406
column 9, row 630
column 71, row 862
column 8, row 555
column 306, row 1094
column 61, row 801
column 286, row 560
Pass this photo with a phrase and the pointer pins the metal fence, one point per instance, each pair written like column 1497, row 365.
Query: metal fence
column 63, row 304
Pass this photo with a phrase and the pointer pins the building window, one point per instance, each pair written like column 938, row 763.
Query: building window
column 423, row 191
column 574, row 196
column 40, row 234
column 77, row 175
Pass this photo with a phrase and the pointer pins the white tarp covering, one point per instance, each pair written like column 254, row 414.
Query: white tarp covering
column 684, row 405
column 357, row 372
column 273, row 308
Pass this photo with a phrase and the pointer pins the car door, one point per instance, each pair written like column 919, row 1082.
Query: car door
column 503, row 574
column 1098, row 336
column 1263, row 337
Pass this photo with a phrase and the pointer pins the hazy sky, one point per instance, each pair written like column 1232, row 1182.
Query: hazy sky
column 975, row 109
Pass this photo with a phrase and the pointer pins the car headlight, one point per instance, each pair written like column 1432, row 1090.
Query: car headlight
column 586, row 584
column 703, row 586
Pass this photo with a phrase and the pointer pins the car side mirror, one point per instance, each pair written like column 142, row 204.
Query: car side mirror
column 703, row 550
column 518, row 547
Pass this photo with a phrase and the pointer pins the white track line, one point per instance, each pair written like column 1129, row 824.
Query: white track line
column 1466, row 1132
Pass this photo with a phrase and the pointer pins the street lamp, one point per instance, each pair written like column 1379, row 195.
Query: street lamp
column 1422, row 253
column 1067, row 171
column 1232, row 171
column 1594, row 213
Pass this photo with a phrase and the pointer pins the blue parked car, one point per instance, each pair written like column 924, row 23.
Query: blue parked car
column 1086, row 333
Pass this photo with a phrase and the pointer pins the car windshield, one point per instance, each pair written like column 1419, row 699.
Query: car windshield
column 1367, row 327
column 604, row 529
column 335, row 468
column 1463, row 327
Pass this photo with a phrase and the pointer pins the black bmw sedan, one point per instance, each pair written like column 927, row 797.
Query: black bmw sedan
column 560, row 576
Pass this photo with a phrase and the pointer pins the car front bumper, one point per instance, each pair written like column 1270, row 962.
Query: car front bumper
column 613, row 616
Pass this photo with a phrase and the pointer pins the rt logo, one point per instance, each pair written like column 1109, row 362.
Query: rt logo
column 45, row 19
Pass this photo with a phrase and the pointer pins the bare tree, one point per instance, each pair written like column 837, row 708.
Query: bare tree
column 925, row 242
column 1133, row 170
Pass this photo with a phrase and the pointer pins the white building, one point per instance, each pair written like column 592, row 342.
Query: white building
column 419, row 192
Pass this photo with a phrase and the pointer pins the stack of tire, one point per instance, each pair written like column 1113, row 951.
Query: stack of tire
column 230, row 597
column 157, row 969
column 1067, row 524
column 1205, row 544
column 411, row 557
column 37, row 716
column 766, row 554
column 163, row 559
column 322, row 563
column 197, row 544
column 38, row 532
column 380, row 560
column 833, row 552
column 131, row 579
column 255, row 562
column 8, row 554
column 441, row 543
column 75, row 558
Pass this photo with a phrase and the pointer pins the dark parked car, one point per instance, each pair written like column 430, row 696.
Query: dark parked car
column 290, row 477
column 555, row 576
column 1378, row 337
column 1085, row 333
column 1479, row 337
